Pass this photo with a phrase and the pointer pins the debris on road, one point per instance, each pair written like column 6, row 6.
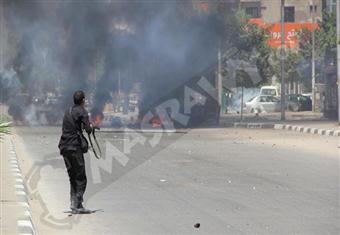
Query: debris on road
column 197, row 225
column 240, row 142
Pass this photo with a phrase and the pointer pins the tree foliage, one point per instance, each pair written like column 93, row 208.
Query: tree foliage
column 248, row 42
column 325, row 44
column 292, row 64
column 4, row 129
column 325, row 37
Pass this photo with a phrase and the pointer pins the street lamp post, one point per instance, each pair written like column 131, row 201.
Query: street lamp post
column 2, row 36
column 283, row 87
column 312, row 9
column 242, row 100
column 219, row 80
column 338, row 53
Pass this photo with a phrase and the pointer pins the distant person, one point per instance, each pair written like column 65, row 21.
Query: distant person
column 71, row 147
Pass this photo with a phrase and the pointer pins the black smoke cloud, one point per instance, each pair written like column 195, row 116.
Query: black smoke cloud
column 158, row 44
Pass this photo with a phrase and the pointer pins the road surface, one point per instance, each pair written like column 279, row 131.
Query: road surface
column 230, row 181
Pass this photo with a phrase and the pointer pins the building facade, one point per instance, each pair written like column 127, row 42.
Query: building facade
column 296, row 11
column 329, row 5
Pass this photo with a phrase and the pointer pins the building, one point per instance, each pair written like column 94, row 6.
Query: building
column 298, row 14
column 296, row 11
column 329, row 5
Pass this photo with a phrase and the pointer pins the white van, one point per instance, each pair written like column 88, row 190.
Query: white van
column 270, row 90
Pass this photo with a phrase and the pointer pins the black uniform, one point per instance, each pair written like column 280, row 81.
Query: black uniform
column 69, row 146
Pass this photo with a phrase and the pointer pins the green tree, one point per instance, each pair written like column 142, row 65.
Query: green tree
column 293, row 61
column 247, row 41
column 325, row 44
column 325, row 37
column 4, row 129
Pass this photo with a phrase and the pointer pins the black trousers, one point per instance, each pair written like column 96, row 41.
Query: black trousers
column 75, row 164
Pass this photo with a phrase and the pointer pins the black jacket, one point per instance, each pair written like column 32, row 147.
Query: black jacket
column 69, row 139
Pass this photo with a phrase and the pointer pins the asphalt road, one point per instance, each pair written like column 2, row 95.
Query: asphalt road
column 231, row 181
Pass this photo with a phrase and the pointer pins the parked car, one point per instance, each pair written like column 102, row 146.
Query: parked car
column 297, row 102
column 270, row 91
column 263, row 103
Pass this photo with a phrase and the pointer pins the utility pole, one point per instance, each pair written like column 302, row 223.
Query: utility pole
column 338, row 53
column 219, row 81
column 118, row 81
column 283, row 87
column 312, row 9
column 2, row 18
column 242, row 101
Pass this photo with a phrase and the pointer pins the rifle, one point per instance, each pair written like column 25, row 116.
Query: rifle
column 95, row 147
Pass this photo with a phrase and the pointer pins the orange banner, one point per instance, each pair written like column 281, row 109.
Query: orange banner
column 291, row 31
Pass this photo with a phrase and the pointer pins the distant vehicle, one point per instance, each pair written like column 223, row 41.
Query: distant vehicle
column 263, row 103
column 270, row 91
column 309, row 95
column 297, row 102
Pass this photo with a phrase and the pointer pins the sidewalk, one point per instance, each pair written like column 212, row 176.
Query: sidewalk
column 272, row 117
column 15, row 216
column 304, row 122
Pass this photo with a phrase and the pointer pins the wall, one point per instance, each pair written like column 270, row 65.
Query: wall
column 270, row 9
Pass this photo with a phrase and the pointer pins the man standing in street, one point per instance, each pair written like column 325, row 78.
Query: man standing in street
column 76, row 119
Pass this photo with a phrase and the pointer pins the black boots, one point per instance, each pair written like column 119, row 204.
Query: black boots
column 81, row 210
column 77, row 206
column 74, row 203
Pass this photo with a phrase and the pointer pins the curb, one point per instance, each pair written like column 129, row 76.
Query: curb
column 310, row 130
column 253, row 125
column 301, row 129
column 24, row 223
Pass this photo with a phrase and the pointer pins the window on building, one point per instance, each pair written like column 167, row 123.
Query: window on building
column 333, row 6
column 252, row 9
column 329, row 5
column 289, row 14
column 311, row 8
column 253, row 12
